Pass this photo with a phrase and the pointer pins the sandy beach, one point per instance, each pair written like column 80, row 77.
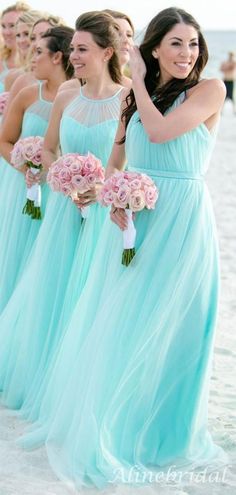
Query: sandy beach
column 26, row 473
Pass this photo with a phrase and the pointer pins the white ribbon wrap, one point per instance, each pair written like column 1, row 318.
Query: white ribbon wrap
column 129, row 234
column 84, row 212
column 34, row 192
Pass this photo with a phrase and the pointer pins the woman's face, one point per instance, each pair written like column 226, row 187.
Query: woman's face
column 177, row 52
column 42, row 60
column 126, row 40
column 22, row 38
column 8, row 27
column 86, row 56
column 37, row 32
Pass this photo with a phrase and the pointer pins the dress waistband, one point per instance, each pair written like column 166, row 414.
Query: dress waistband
column 165, row 174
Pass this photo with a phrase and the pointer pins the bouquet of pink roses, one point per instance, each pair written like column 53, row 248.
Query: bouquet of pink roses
column 133, row 192
column 28, row 151
column 73, row 173
column 3, row 101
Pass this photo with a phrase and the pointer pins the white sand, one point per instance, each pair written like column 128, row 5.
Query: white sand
column 26, row 473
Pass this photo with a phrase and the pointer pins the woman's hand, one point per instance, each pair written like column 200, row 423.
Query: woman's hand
column 87, row 198
column 119, row 217
column 32, row 179
column 136, row 63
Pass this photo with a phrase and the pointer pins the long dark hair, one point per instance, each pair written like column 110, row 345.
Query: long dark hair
column 164, row 96
column 103, row 29
column 59, row 40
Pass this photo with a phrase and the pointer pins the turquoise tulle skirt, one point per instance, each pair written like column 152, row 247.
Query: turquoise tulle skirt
column 25, row 338
column 127, row 389
column 17, row 231
column 83, row 255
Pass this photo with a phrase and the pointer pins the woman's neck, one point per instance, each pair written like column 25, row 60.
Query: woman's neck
column 99, row 88
column 51, row 85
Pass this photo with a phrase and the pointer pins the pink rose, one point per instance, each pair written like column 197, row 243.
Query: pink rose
column 107, row 198
column 67, row 160
column 91, row 181
column 151, row 196
column 135, row 184
column 66, row 189
column 79, row 184
column 65, row 176
column 55, row 168
column 146, row 180
column 54, row 183
column 137, row 201
column 3, row 101
column 76, row 167
column 89, row 166
column 122, row 197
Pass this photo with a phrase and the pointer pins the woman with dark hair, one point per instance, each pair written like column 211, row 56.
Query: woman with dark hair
column 127, row 396
column 28, row 115
column 83, row 120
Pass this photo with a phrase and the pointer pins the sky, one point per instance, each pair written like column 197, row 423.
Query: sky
column 210, row 14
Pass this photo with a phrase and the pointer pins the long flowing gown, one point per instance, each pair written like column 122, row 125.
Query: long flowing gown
column 128, row 391
column 29, row 326
column 17, row 231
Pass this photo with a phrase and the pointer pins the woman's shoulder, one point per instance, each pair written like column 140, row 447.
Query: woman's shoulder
column 63, row 98
column 71, row 84
column 11, row 77
column 22, row 81
column 28, row 95
column 213, row 86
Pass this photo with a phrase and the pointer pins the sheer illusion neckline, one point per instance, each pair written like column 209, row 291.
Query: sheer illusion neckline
column 99, row 100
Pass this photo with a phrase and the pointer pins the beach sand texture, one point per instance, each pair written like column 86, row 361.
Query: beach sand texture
column 26, row 473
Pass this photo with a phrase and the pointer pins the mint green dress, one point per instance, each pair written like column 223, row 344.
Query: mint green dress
column 30, row 324
column 2, row 90
column 17, row 231
column 3, row 74
column 127, row 395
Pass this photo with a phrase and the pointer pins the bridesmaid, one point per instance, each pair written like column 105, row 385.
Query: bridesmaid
column 28, row 115
column 42, row 24
column 8, row 19
column 85, row 248
column 82, row 120
column 127, row 397
column 24, row 25
column 126, row 33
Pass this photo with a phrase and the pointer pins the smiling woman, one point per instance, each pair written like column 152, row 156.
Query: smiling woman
column 177, row 53
column 9, row 18
column 133, row 403
column 83, row 120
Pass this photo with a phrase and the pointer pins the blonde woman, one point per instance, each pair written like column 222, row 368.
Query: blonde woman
column 24, row 25
column 8, row 54
column 42, row 24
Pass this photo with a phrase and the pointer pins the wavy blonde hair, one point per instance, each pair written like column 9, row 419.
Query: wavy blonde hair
column 29, row 18
column 16, row 7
